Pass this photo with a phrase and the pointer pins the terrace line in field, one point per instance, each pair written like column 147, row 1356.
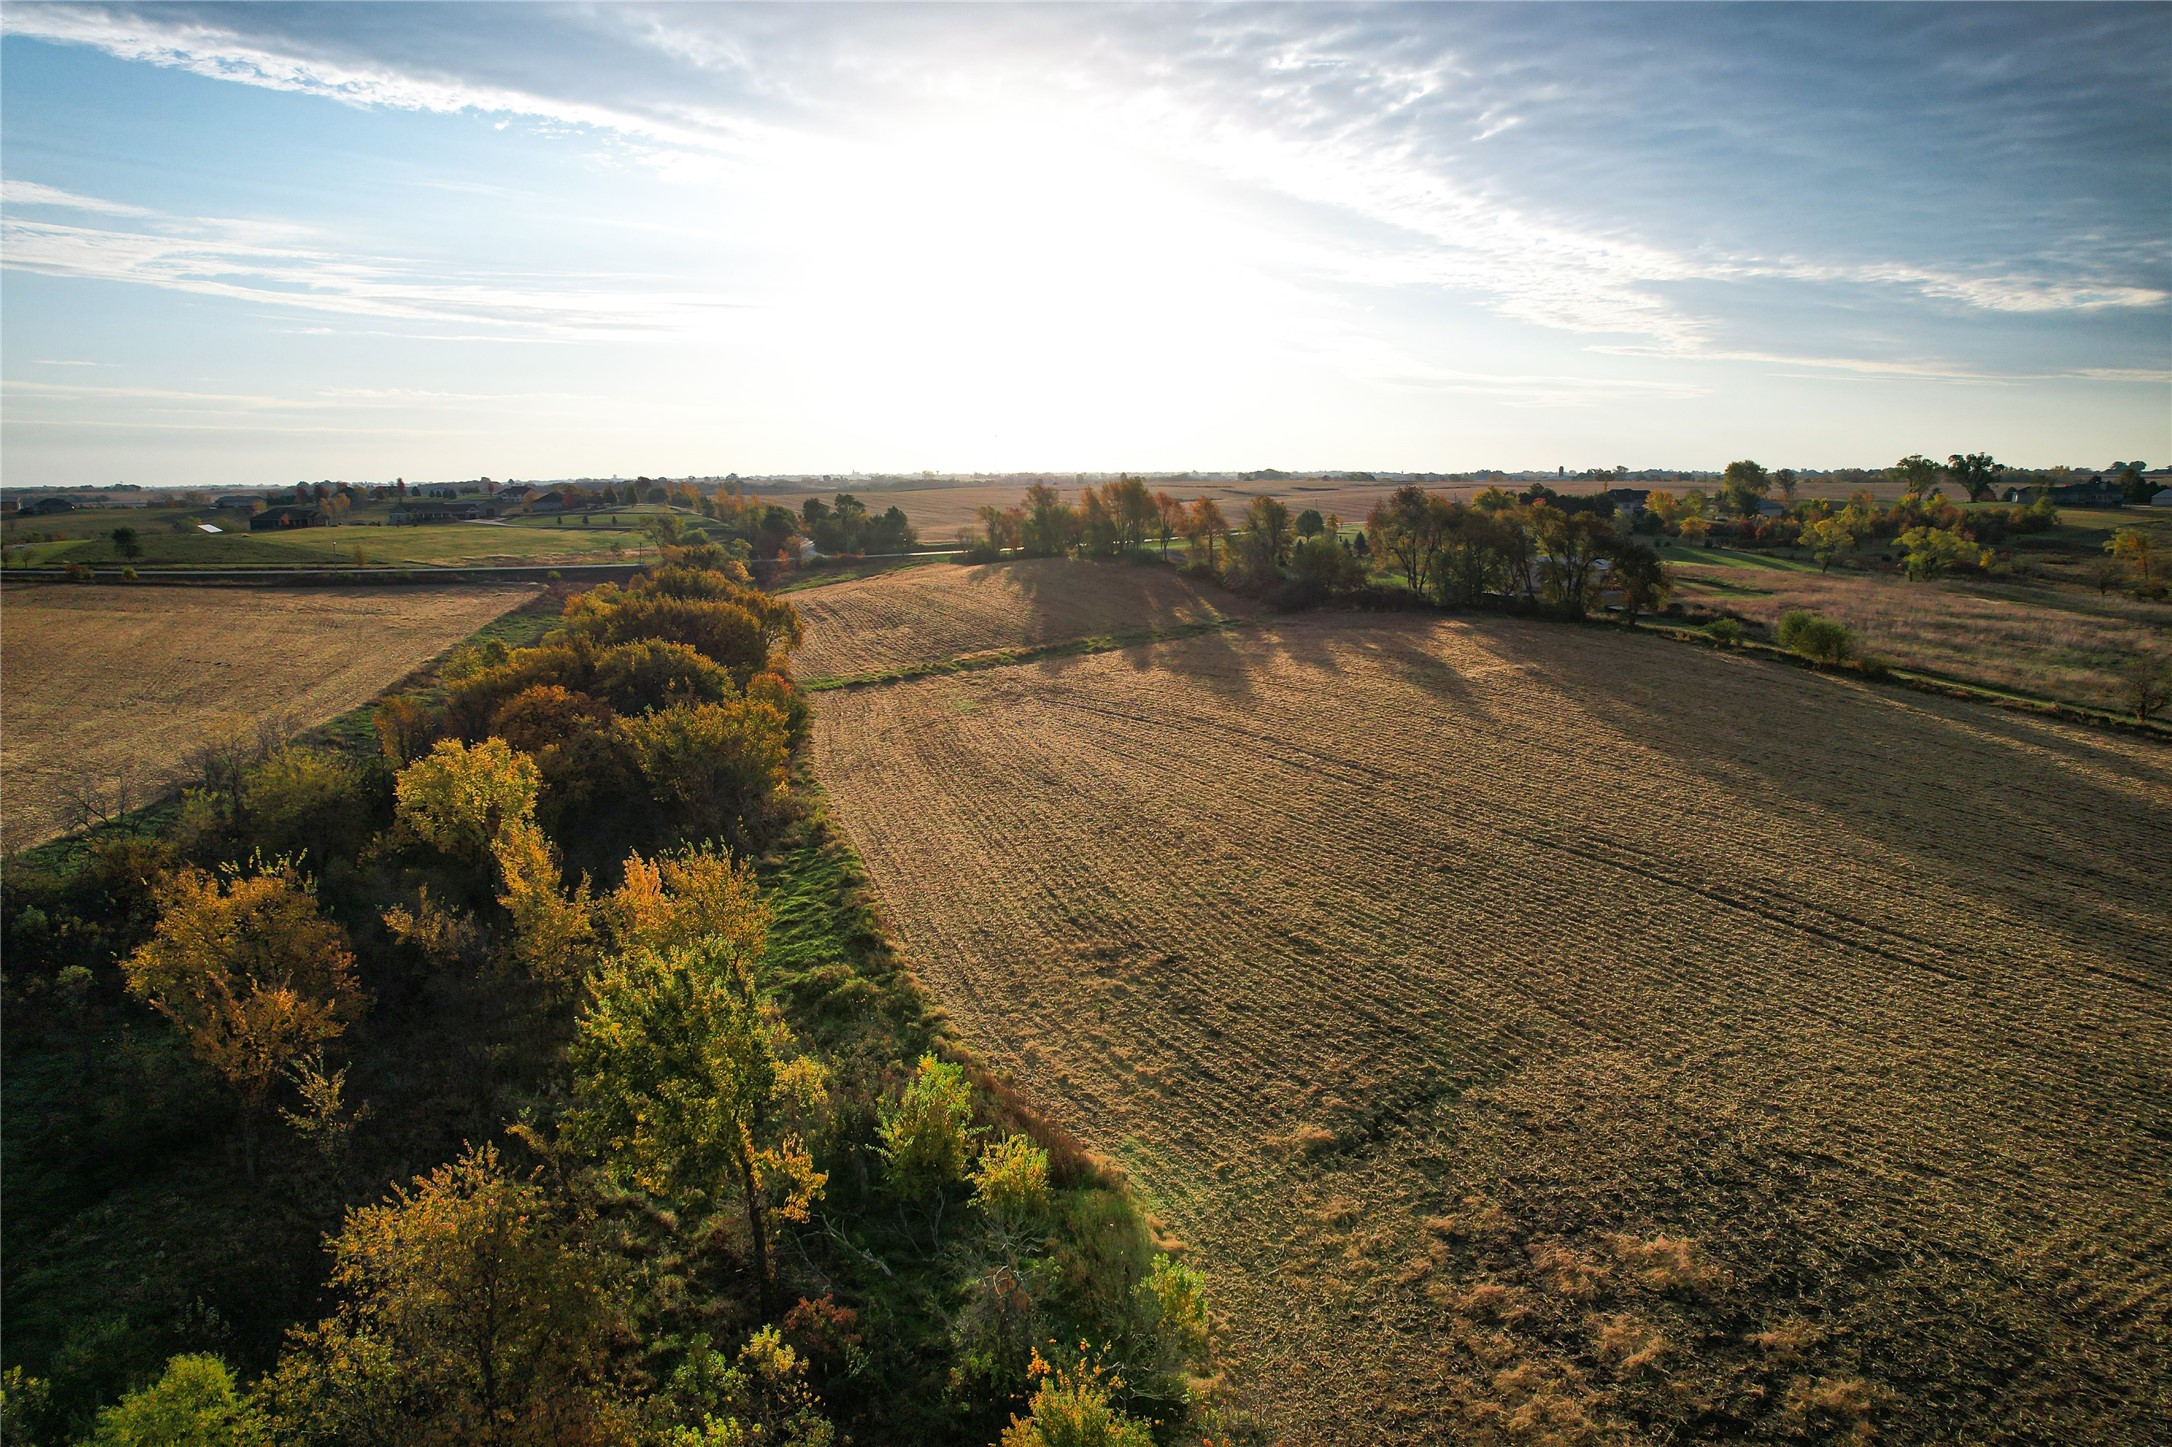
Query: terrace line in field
column 105, row 683
column 1542, row 1021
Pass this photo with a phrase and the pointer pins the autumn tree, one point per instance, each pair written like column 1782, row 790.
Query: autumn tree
column 1133, row 509
column 468, row 1313
column 1169, row 518
column 1204, row 529
column 252, row 976
column 1827, row 538
column 2137, row 552
column 685, row 1088
column 695, row 896
column 458, row 796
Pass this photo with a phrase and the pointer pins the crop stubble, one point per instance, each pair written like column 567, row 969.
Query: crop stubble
column 98, row 682
column 941, row 611
column 1546, row 1035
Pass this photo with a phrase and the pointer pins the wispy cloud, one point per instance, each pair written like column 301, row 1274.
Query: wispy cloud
column 1353, row 114
column 282, row 265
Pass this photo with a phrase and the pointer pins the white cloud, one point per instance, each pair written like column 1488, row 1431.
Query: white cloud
column 31, row 193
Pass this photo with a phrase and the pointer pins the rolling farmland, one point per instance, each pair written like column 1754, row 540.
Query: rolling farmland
column 927, row 614
column 105, row 684
column 1547, row 1035
column 2063, row 643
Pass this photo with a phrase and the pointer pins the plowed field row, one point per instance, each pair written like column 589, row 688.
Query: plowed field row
column 928, row 614
column 100, row 685
column 1544, row 1031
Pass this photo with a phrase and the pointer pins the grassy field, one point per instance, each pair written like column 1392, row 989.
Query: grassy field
column 86, row 538
column 925, row 614
column 104, row 686
column 2064, row 643
column 1549, row 1035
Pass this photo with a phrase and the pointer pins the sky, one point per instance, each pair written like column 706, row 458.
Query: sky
column 255, row 244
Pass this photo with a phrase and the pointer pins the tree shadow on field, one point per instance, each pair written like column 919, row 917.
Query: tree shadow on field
column 1963, row 790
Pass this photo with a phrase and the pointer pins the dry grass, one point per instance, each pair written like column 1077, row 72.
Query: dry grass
column 927, row 614
column 2058, row 642
column 104, row 685
column 1546, row 1035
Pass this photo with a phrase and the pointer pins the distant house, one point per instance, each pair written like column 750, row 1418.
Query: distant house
column 1628, row 501
column 553, row 501
column 2096, row 492
column 417, row 513
column 288, row 515
column 2162, row 499
column 441, row 489
column 238, row 502
column 47, row 506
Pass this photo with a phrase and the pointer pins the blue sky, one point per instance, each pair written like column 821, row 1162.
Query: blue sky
column 252, row 244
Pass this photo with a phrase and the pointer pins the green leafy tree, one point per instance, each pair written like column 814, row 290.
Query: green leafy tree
column 193, row 1404
column 1309, row 522
column 1975, row 472
column 1743, row 487
column 685, row 1089
column 927, row 1132
column 1915, row 473
column 1645, row 582
column 126, row 543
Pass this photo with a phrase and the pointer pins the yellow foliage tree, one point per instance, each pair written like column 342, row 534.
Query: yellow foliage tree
column 252, row 976
column 459, row 796
column 676, row 900
column 468, row 1315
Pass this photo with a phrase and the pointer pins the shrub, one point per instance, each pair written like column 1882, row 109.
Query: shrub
column 927, row 1131
column 305, row 800
column 193, row 1404
column 1010, row 1181
column 1723, row 630
column 1072, row 1407
column 1825, row 640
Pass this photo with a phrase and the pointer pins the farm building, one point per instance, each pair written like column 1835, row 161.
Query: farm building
column 1628, row 501
column 416, row 513
column 2096, row 492
column 2162, row 499
column 238, row 502
column 47, row 506
column 275, row 519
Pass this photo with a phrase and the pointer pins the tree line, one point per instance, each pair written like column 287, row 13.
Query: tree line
column 674, row 1168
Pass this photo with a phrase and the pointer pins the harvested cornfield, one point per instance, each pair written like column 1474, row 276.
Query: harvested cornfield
column 1548, row 1035
column 103, row 690
column 2063, row 643
column 922, row 615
